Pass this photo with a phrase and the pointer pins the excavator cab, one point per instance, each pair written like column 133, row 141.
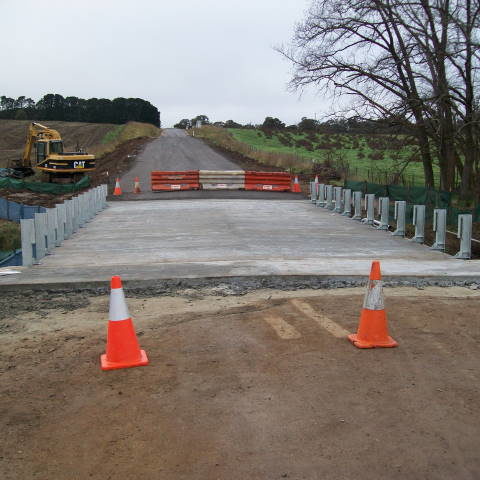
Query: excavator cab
column 46, row 148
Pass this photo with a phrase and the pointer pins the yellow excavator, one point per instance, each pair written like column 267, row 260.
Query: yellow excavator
column 59, row 166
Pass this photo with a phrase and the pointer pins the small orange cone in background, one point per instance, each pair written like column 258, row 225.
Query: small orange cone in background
column 372, row 329
column 118, row 190
column 123, row 350
column 296, row 186
column 316, row 179
column 136, row 185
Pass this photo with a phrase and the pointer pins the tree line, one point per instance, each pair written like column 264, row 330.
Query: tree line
column 416, row 62
column 74, row 109
column 354, row 125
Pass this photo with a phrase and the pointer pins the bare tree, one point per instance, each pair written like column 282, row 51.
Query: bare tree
column 414, row 60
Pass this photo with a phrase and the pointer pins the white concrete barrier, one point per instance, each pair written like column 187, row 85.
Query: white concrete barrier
column 222, row 179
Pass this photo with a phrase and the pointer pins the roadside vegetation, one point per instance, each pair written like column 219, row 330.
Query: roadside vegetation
column 9, row 236
column 224, row 139
column 124, row 133
column 379, row 158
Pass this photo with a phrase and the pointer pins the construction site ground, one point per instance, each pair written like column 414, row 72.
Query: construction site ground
column 257, row 386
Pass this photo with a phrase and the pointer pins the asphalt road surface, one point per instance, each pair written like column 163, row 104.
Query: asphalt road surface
column 174, row 150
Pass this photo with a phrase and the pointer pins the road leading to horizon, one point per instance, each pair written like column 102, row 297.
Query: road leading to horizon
column 174, row 150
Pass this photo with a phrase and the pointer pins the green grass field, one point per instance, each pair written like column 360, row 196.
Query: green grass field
column 374, row 158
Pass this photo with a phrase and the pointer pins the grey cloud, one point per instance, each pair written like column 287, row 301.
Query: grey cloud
column 213, row 57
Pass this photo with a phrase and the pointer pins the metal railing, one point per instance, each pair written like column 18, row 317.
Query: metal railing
column 335, row 198
column 48, row 230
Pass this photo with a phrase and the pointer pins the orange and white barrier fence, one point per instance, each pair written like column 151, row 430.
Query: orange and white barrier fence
column 270, row 181
column 168, row 181
column 224, row 180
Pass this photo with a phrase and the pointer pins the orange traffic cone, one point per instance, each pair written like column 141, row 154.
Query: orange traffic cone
column 296, row 186
column 316, row 179
column 118, row 190
column 123, row 350
column 372, row 328
column 136, row 185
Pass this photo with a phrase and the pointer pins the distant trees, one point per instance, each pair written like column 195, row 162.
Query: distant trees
column 416, row 62
column 232, row 124
column 203, row 119
column 183, row 124
column 271, row 123
column 308, row 124
column 74, row 109
column 192, row 123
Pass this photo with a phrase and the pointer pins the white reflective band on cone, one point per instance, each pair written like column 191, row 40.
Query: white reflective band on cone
column 374, row 296
column 118, row 306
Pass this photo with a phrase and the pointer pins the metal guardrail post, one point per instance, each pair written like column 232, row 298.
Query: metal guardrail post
column 419, row 222
column 98, row 192
column 40, row 220
column 465, row 235
column 91, row 204
column 321, row 195
column 347, row 202
column 383, row 207
column 82, row 217
column 329, row 194
column 313, row 192
column 88, row 207
column 68, row 218
column 61, row 221
column 51, row 229
column 338, row 200
column 76, row 213
column 440, row 228
column 27, row 230
column 357, row 204
column 400, row 215
column 369, row 207
column 105, row 194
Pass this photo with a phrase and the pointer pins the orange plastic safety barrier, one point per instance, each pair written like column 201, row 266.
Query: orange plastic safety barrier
column 168, row 181
column 268, row 181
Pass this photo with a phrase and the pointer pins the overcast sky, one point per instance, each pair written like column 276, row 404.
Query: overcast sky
column 188, row 57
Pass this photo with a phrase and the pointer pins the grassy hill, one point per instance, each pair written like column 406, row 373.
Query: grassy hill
column 376, row 158
column 97, row 138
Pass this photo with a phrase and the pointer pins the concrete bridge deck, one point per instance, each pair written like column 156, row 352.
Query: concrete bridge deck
column 146, row 241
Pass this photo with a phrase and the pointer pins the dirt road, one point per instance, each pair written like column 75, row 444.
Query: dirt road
column 262, row 386
column 174, row 150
